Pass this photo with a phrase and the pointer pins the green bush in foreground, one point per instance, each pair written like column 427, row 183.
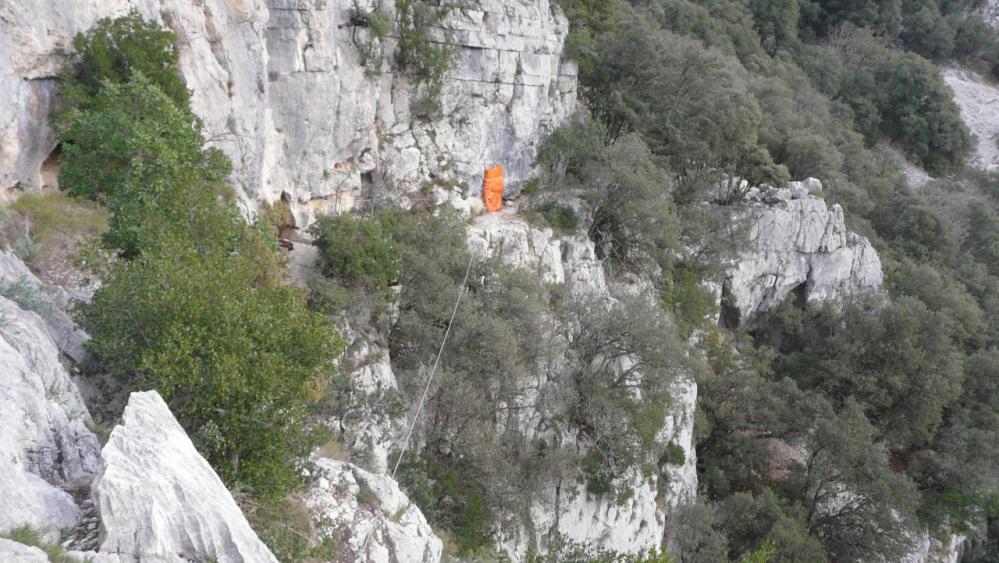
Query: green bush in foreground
column 132, row 150
column 237, row 361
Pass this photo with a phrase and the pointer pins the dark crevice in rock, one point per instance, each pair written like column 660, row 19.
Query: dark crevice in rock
column 730, row 316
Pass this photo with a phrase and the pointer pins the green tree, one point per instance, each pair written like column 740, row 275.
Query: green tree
column 624, row 359
column 236, row 361
column 957, row 471
column 897, row 360
column 918, row 110
column 115, row 50
column 634, row 223
column 194, row 309
column 696, row 536
column 751, row 521
column 478, row 467
column 859, row 508
column 776, row 22
column 926, row 32
column 134, row 151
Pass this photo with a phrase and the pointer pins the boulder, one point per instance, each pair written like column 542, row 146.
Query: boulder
column 159, row 500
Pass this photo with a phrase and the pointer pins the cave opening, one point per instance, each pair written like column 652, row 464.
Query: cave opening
column 730, row 316
column 48, row 174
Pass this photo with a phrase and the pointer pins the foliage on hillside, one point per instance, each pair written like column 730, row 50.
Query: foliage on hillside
column 881, row 400
column 824, row 432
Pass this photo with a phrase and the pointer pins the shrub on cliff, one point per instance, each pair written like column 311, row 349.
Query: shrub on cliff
column 116, row 49
column 236, row 360
column 356, row 252
column 133, row 150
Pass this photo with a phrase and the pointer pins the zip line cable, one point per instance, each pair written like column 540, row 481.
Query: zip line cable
column 426, row 390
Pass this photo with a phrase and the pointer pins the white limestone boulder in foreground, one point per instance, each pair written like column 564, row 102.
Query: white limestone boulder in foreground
column 159, row 500
column 380, row 522
column 796, row 243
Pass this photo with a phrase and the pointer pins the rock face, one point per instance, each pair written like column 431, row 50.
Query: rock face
column 990, row 12
column 569, row 260
column 281, row 88
column 49, row 301
column 978, row 100
column 46, row 447
column 369, row 517
column 159, row 500
column 796, row 244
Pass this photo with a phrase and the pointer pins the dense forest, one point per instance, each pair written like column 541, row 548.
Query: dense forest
column 824, row 431
column 893, row 403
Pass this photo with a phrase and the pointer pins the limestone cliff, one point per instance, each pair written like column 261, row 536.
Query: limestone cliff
column 639, row 523
column 281, row 89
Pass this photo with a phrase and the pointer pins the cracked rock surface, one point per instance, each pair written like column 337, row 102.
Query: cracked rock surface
column 282, row 90
column 159, row 500
column 796, row 243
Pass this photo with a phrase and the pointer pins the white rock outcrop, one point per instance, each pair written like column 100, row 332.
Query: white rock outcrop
column 990, row 12
column 570, row 260
column 978, row 99
column 373, row 434
column 50, row 301
column 371, row 519
column 46, row 449
column 281, row 89
column 601, row 522
column 678, row 485
column 159, row 500
column 796, row 243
